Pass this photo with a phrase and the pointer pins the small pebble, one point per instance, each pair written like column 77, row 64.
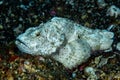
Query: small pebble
column 73, row 75
column 27, row 62
column 118, row 46
column 1, row 2
column 1, row 27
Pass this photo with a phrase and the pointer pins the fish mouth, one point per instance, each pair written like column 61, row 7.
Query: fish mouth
column 21, row 42
column 22, row 46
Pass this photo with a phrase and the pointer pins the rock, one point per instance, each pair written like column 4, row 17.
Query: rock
column 118, row 46
column 90, row 71
column 113, row 11
column 1, row 27
column 101, row 3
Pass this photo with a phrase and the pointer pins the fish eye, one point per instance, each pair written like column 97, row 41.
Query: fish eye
column 37, row 34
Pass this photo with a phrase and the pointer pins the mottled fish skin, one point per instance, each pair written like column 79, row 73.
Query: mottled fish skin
column 64, row 40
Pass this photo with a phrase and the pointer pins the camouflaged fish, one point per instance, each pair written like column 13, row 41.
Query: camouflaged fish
column 64, row 40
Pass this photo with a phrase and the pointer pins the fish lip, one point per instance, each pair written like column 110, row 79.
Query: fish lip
column 23, row 47
column 20, row 43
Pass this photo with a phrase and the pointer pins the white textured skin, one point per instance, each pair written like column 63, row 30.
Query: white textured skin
column 73, row 54
column 64, row 40
column 46, row 43
column 98, row 39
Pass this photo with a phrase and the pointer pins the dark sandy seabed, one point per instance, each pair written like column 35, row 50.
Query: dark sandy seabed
column 18, row 15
